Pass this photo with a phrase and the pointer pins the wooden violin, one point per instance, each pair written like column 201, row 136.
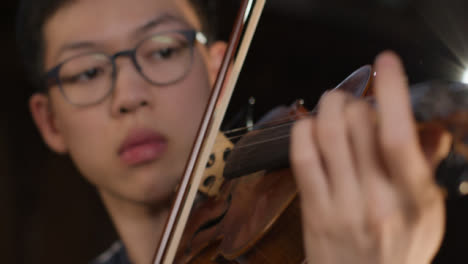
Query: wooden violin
column 246, row 208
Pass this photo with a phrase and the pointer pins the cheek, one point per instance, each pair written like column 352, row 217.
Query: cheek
column 188, row 104
column 86, row 136
column 193, row 93
column 82, row 126
column 92, row 150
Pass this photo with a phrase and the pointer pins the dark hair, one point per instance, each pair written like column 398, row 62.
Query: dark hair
column 33, row 14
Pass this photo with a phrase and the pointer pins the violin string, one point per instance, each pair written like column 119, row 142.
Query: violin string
column 370, row 100
column 264, row 125
column 273, row 139
column 269, row 122
column 264, row 129
column 263, row 141
column 274, row 125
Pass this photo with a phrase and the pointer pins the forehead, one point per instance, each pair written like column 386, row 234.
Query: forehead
column 103, row 21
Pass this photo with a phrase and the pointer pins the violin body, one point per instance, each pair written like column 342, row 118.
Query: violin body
column 250, row 212
column 255, row 219
column 269, row 233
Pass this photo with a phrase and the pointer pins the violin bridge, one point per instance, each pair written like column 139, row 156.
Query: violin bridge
column 213, row 176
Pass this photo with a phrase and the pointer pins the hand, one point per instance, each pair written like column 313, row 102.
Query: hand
column 367, row 189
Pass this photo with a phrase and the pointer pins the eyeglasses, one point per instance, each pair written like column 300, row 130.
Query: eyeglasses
column 162, row 59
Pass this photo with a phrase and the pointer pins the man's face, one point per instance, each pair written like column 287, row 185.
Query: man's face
column 138, row 154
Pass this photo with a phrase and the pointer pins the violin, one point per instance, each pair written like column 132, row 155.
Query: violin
column 248, row 179
column 237, row 201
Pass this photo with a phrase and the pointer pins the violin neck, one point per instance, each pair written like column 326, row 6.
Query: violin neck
column 263, row 149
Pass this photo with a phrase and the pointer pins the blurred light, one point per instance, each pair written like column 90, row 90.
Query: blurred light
column 465, row 77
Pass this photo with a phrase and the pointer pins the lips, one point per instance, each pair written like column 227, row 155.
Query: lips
column 142, row 146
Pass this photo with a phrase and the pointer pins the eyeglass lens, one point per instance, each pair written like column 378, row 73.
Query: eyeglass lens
column 161, row 59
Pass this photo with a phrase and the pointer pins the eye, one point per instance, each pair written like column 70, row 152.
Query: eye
column 166, row 53
column 89, row 74
column 85, row 76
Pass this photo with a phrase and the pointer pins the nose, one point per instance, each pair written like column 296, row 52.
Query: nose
column 131, row 90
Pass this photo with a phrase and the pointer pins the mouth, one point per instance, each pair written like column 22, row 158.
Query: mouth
column 142, row 146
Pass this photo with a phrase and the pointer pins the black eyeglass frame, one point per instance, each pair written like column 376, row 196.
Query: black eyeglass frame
column 52, row 77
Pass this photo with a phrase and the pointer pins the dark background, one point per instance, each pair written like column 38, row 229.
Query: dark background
column 302, row 47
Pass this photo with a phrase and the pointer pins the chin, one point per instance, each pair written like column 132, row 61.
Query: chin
column 155, row 190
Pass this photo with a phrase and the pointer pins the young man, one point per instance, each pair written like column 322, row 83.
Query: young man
column 126, row 86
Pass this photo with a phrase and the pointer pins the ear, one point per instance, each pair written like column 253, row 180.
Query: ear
column 216, row 53
column 43, row 116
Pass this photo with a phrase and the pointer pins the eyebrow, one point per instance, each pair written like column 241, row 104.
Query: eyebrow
column 157, row 21
column 75, row 46
column 153, row 23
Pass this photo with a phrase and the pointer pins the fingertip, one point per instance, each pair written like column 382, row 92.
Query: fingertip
column 388, row 57
column 389, row 60
column 391, row 83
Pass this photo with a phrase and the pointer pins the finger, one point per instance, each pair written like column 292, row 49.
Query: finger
column 361, row 121
column 397, row 133
column 335, row 149
column 306, row 164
